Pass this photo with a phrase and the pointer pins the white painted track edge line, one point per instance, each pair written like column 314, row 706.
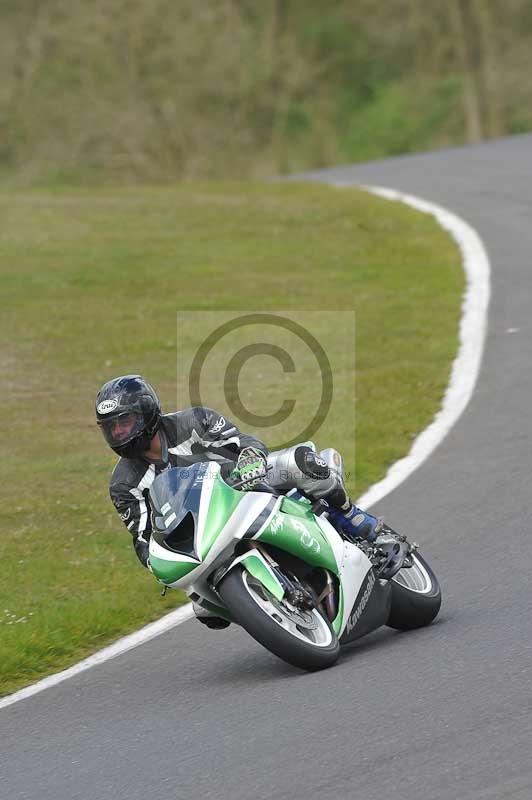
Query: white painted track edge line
column 472, row 335
column 122, row 645
column 464, row 374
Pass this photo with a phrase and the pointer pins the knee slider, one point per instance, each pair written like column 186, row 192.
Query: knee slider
column 311, row 464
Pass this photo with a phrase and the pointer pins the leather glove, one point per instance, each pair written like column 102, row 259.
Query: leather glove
column 251, row 467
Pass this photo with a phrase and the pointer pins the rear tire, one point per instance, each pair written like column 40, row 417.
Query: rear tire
column 284, row 632
column 416, row 596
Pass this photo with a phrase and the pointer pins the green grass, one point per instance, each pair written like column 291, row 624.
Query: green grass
column 91, row 283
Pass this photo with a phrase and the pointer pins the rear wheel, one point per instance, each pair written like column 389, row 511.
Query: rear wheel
column 416, row 596
column 303, row 638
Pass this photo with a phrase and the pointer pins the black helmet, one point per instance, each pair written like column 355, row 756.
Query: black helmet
column 128, row 412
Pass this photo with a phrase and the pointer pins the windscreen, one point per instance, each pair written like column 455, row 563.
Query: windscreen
column 174, row 493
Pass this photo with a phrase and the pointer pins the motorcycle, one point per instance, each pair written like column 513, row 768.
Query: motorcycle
column 277, row 567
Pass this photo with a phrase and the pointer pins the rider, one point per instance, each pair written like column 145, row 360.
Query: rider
column 129, row 415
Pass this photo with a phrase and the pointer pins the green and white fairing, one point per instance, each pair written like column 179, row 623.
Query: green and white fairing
column 201, row 527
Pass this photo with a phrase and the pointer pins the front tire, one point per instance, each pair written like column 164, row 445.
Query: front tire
column 304, row 639
column 416, row 596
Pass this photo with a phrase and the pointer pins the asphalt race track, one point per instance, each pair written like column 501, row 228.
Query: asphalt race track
column 440, row 713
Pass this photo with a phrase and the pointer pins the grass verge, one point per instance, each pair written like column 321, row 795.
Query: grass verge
column 91, row 282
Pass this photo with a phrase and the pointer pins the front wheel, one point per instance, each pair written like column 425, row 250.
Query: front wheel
column 416, row 596
column 303, row 638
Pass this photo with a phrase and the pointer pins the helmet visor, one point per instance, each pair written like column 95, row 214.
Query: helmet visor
column 122, row 429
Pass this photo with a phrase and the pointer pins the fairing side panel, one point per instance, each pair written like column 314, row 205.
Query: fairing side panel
column 170, row 568
column 335, row 540
column 249, row 509
column 370, row 610
column 179, row 577
column 355, row 566
column 217, row 504
column 301, row 535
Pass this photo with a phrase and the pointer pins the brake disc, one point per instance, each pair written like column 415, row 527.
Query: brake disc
column 304, row 619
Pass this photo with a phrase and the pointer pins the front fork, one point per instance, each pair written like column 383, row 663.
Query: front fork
column 296, row 594
column 281, row 585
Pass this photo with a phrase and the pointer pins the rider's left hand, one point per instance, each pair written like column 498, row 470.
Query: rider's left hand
column 251, row 467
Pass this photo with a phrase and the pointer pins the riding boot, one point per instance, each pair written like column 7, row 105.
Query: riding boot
column 355, row 523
